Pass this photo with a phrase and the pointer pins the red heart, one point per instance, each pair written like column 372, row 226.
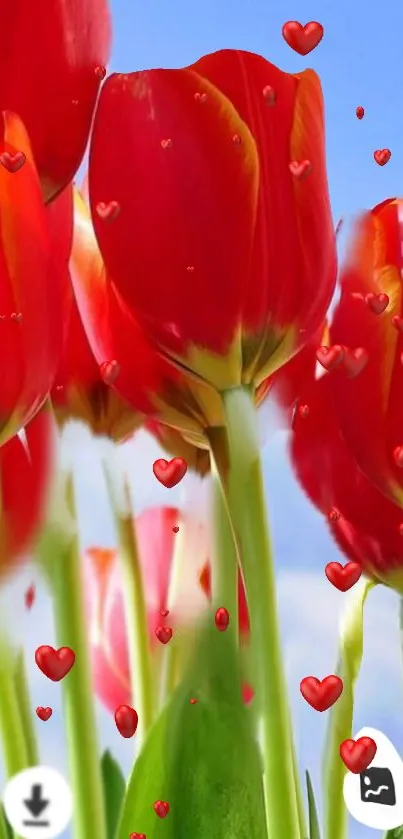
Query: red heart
column 108, row 212
column 137, row 836
column 398, row 456
column 221, row 619
column 334, row 514
column 354, row 361
column 193, row 701
column 377, row 302
column 200, row 97
column 166, row 144
column 30, row 596
column 270, row 95
column 330, row 357
column 169, row 473
column 109, row 371
column 303, row 411
column 163, row 633
column 358, row 754
column 343, row 577
column 44, row 714
column 17, row 316
column 359, row 112
column 164, row 613
column 126, row 719
column 382, row 156
column 12, row 161
column 55, row 664
column 397, row 323
column 100, row 71
column 161, row 808
column 175, row 529
column 300, row 169
column 302, row 39
column 321, row 695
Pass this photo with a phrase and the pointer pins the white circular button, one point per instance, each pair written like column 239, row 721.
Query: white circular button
column 38, row 803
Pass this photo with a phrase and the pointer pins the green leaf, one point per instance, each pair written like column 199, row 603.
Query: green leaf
column 201, row 758
column 314, row 831
column 396, row 833
column 5, row 829
column 114, row 791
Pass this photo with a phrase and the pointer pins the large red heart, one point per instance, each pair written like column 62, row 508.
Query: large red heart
column 170, row 472
column 330, row 357
column 302, row 39
column 382, row 156
column 126, row 719
column 321, row 695
column 163, row 633
column 13, row 162
column 55, row 664
column 44, row 714
column 354, row 361
column 358, row 754
column 161, row 808
column 343, row 578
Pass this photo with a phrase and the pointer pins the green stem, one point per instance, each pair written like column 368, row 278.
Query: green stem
column 25, row 709
column 15, row 751
column 224, row 563
column 241, row 476
column 78, row 696
column 135, row 607
column 341, row 715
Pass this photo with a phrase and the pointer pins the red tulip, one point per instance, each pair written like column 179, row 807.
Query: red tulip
column 32, row 288
column 156, row 539
column 25, row 464
column 370, row 406
column 233, row 256
column 51, row 59
column 367, row 530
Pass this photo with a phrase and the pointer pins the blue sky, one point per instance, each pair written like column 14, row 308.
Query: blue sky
column 359, row 64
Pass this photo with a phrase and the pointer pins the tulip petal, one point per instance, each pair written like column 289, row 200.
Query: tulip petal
column 184, row 173
column 370, row 406
column 31, row 288
column 48, row 59
column 293, row 271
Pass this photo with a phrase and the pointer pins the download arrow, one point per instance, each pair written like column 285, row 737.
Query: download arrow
column 36, row 804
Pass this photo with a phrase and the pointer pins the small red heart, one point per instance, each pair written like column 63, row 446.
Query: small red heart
column 161, row 808
column 343, row 577
column 300, row 169
column 321, row 695
column 170, row 473
column 398, row 456
column 303, row 411
column 193, row 701
column 44, row 714
column 397, row 323
column 382, row 156
column 330, row 357
column 166, row 144
column 269, row 95
column 302, row 39
column 377, row 302
column 100, row 71
column 108, row 211
column 354, row 361
column 109, row 371
column 221, row 619
column 200, row 97
column 29, row 596
column 126, row 719
column 55, row 664
column 163, row 633
column 400, row 529
column 164, row 613
column 12, row 161
column 359, row 112
column 17, row 316
column 334, row 514
column 175, row 529
column 358, row 754
column 137, row 836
